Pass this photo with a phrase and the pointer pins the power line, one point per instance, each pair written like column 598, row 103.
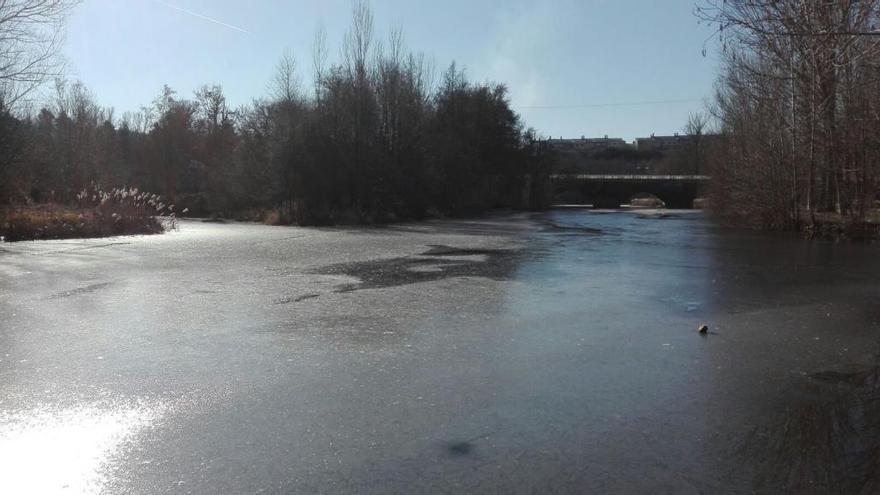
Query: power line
column 617, row 104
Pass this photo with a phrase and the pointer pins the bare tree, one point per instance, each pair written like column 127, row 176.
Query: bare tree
column 31, row 35
column 285, row 84
column 798, row 101
column 358, row 42
column 356, row 50
column 319, row 59
column 695, row 130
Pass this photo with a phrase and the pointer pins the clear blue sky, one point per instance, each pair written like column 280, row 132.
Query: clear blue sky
column 549, row 53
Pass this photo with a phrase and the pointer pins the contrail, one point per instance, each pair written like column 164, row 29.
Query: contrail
column 200, row 16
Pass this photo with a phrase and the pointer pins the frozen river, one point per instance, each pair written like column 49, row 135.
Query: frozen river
column 529, row 353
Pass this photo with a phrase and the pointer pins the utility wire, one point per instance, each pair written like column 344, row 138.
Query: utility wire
column 618, row 104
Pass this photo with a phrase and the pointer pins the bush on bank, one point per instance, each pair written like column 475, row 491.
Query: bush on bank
column 96, row 213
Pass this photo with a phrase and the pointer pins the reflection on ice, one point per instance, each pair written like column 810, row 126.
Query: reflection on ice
column 64, row 451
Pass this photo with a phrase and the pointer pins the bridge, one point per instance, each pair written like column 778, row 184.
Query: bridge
column 612, row 190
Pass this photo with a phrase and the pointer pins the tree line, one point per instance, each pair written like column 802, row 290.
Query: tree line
column 376, row 137
column 798, row 103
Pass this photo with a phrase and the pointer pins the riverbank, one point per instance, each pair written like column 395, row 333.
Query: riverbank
column 811, row 225
column 837, row 226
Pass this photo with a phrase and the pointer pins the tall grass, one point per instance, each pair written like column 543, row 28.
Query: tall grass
column 95, row 213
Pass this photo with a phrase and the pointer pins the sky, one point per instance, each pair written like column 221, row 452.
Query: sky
column 573, row 67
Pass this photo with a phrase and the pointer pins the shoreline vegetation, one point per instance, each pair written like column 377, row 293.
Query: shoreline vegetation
column 798, row 109
column 821, row 225
column 95, row 213
column 379, row 137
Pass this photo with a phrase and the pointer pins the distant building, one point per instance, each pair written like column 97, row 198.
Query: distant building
column 588, row 145
column 647, row 155
column 599, row 155
column 661, row 143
